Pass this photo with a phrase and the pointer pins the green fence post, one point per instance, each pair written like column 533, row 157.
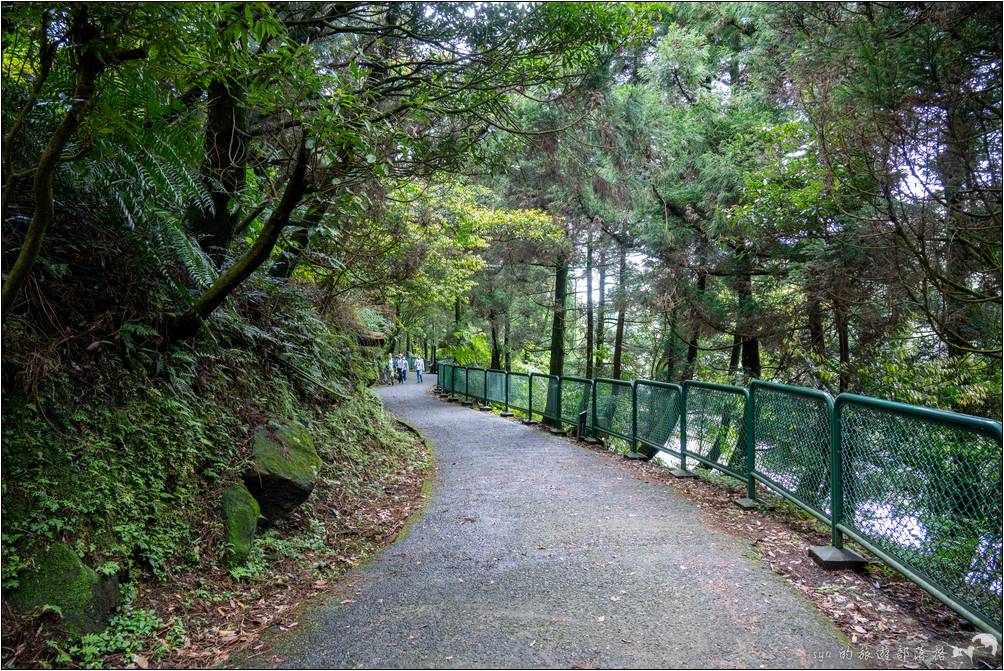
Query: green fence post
column 749, row 425
column 835, row 556
column 634, row 417
column 594, row 437
column 507, row 412
column 682, row 471
column 529, row 400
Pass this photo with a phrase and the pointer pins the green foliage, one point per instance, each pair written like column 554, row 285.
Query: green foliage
column 127, row 634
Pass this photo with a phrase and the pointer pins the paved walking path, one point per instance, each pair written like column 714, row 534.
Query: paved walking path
column 536, row 552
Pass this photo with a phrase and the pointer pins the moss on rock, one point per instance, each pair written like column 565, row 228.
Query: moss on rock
column 286, row 466
column 240, row 520
column 60, row 579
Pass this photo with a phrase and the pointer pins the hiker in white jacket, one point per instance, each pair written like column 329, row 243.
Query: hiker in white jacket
column 419, row 369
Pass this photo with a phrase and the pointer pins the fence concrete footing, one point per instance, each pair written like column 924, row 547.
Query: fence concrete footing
column 530, row 422
column 467, row 404
column 641, row 456
column 836, row 559
column 505, row 414
column 558, row 432
column 484, row 408
column 680, row 473
column 746, row 503
column 589, row 440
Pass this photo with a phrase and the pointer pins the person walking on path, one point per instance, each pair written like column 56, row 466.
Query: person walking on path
column 402, row 368
column 419, row 369
column 390, row 369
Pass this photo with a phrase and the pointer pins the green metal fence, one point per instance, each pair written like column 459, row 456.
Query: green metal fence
column 792, row 443
column 613, row 414
column 495, row 386
column 545, row 396
column 519, row 392
column 657, row 414
column 715, row 427
column 921, row 489
column 476, row 383
column 444, row 377
column 460, row 382
column 575, row 396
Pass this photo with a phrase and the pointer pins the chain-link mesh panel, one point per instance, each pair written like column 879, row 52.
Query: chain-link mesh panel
column 575, row 398
column 793, row 444
column 496, row 386
column 716, row 427
column 658, row 415
column 459, row 381
column 612, row 409
column 519, row 391
column 929, row 495
column 545, row 396
column 476, row 383
column 444, row 376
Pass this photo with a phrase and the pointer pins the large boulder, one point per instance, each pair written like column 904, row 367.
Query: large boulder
column 240, row 519
column 285, row 470
column 84, row 598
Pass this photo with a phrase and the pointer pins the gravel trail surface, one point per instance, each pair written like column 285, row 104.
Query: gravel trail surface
column 536, row 552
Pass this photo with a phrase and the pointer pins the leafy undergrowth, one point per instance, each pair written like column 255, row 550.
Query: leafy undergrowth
column 371, row 481
column 122, row 450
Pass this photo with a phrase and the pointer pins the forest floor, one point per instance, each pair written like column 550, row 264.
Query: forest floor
column 536, row 552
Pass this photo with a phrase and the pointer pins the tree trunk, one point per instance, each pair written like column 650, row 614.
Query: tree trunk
column 956, row 330
column 666, row 369
column 496, row 350
column 695, row 328
column 187, row 324
column 557, row 362
column 817, row 335
column 601, row 313
column 89, row 66
column 621, row 311
column 505, row 342
column 745, row 315
column 840, row 317
column 224, row 167
column 589, row 302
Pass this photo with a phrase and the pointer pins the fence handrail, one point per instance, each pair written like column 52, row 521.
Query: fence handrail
column 716, row 387
column 817, row 394
column 988, row 427
column 610, row 380
column 660, row 385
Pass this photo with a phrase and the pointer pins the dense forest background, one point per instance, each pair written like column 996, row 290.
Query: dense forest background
column 222, row 217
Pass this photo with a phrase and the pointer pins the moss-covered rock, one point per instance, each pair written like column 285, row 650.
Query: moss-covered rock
column 285, row 470
column 240, row 519
column 60, row 579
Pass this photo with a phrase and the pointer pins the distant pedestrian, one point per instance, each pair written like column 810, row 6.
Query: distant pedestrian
column 402, row 368
column 390, row 369
column 419, row 369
